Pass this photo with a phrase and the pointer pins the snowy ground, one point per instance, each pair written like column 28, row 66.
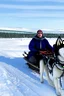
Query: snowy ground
column 16, row 79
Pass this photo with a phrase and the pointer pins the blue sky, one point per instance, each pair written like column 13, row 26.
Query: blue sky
column 39, row 14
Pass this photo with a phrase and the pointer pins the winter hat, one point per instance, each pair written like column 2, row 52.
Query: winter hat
column 39, row 31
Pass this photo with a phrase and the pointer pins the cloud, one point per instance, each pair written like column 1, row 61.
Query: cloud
column 35, row 0
column 10, row 6
column 32, row 10
column 35, row 15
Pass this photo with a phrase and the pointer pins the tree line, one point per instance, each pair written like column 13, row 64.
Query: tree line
column 27, row 35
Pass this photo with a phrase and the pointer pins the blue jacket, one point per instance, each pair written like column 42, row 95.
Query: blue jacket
column 37, row 44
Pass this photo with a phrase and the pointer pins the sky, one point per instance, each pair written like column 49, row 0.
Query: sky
column 32, row 14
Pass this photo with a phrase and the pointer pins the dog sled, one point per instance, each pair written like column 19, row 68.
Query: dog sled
column 35, row 65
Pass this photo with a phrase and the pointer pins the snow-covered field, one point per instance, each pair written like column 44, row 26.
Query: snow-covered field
column 16, row 79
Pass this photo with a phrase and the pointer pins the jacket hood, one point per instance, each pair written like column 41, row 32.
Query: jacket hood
column 36, row 37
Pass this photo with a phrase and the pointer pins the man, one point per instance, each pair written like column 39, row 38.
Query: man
column 38, row 44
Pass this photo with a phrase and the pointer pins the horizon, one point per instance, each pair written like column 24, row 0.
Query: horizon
column 57, row 31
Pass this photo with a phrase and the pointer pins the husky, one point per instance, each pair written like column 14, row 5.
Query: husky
column 57, row 69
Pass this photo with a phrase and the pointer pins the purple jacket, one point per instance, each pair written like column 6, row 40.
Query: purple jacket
column 37, row 44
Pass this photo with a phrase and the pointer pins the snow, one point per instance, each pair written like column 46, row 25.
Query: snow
column 16, row 79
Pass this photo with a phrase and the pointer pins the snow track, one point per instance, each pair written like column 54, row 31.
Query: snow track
column 17, row 83
column 16, row 79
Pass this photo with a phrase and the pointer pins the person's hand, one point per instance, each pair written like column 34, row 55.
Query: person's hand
column 42, row 52
column 46, row 52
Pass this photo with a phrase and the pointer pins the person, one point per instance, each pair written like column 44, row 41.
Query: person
column 38, row 44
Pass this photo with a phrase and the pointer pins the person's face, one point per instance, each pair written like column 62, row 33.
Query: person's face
column 39, row 35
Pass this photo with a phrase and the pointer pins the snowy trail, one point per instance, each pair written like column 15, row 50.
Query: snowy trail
column 13, row 82
column 18, row 83
column 9, row 88
column 16, row 79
